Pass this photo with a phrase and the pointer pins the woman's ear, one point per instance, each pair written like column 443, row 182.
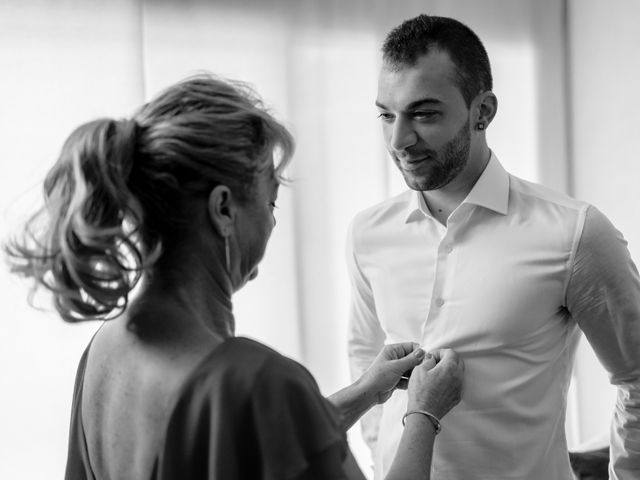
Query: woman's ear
column 222, row 210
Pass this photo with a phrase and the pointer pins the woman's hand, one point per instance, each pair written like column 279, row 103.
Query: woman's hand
column 386, row 372
column 378, row 383
column 437, row 389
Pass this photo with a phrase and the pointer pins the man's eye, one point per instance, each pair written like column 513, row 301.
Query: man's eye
column 385, row 116
column 425, row 114
column 273, row 204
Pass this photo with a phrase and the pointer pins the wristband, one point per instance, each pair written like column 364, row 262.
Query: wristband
column 430, row 416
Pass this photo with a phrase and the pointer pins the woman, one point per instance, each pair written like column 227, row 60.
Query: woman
column 181, row 197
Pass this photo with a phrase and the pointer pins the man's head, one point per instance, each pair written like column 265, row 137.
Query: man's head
column 416, row 37
column 435, row 101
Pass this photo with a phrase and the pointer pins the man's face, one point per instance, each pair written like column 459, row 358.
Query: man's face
column 425, row 121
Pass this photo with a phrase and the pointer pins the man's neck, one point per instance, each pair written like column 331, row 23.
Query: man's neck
column 444, row 201
column 441, row 206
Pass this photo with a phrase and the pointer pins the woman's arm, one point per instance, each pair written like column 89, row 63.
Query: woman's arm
column 352, row 402
column 413, row 458
column 435, row 390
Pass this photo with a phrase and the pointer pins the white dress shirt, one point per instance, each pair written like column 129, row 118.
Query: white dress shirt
column 509, row 283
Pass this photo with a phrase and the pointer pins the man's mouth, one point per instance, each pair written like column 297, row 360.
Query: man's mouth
column 412, row 163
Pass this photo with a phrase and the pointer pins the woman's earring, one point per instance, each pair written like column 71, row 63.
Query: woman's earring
column 227, row 255
column 480, row 125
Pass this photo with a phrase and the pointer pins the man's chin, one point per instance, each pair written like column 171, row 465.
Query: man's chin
column 417, row 180
column 419, row 184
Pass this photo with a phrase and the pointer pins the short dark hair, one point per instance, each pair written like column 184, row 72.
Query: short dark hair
column 406, row 43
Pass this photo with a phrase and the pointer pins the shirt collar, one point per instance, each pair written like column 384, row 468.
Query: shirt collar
column 492, row 188
column 417, row 207
column 491, row 191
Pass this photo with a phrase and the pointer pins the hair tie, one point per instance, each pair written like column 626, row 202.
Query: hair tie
column 129, row 128
column 126, row 140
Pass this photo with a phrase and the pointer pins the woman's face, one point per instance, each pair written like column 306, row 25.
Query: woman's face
column 254, row 224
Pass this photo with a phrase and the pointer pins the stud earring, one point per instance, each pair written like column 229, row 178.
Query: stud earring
column 227, row 255
column 480, row 125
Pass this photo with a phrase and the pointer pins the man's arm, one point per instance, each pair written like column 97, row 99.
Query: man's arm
column 603, row 295
column 366, row 337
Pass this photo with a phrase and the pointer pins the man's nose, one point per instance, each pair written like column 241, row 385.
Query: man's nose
column 403, row 135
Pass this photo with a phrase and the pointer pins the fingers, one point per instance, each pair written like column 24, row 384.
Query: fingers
column 402, row 351
column 426, row 363
column 439, row 388
column 399, row 350
column 385, row 372
column 409, row 362
column 448, row 356
column 429, row 362
column 451, row 363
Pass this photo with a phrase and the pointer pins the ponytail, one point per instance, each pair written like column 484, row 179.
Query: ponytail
column 83, row 245
column 122, row 191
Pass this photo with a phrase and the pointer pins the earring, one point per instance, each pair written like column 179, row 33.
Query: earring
column 227, row 255
column 480, row 125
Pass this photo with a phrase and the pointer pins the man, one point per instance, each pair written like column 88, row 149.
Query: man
column 503, row 271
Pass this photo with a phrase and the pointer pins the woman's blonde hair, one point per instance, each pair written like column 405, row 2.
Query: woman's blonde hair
column 120, row 193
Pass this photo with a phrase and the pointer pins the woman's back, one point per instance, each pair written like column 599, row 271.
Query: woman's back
column 237, row 410
column 130, row 386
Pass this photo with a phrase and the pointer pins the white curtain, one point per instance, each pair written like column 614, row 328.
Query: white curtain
column 62, row 63
column 604, row 101
column 315, row 63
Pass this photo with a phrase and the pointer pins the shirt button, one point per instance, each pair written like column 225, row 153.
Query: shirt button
column 448, row 249
column 439, row 302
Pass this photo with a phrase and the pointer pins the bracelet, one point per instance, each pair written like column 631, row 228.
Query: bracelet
column 430, row 416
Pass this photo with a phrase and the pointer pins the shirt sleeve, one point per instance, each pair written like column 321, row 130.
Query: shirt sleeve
column 603, row 295
column 366, row 337
column 272, row 424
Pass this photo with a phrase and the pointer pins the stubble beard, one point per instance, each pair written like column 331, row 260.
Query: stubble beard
column 446, row 164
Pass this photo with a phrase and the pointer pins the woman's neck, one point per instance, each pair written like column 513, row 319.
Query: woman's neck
column 189, row 291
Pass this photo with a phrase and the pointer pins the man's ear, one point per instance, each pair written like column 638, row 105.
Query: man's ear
column 486, row 107
column 222, row 210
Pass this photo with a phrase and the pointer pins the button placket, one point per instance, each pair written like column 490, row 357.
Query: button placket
column 443, row 271
column 446, row 247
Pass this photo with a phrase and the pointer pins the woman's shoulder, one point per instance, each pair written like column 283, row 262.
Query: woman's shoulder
column 241, row 362
column 251, row 412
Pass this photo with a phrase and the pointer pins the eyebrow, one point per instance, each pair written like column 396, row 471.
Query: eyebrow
column 415, row 104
